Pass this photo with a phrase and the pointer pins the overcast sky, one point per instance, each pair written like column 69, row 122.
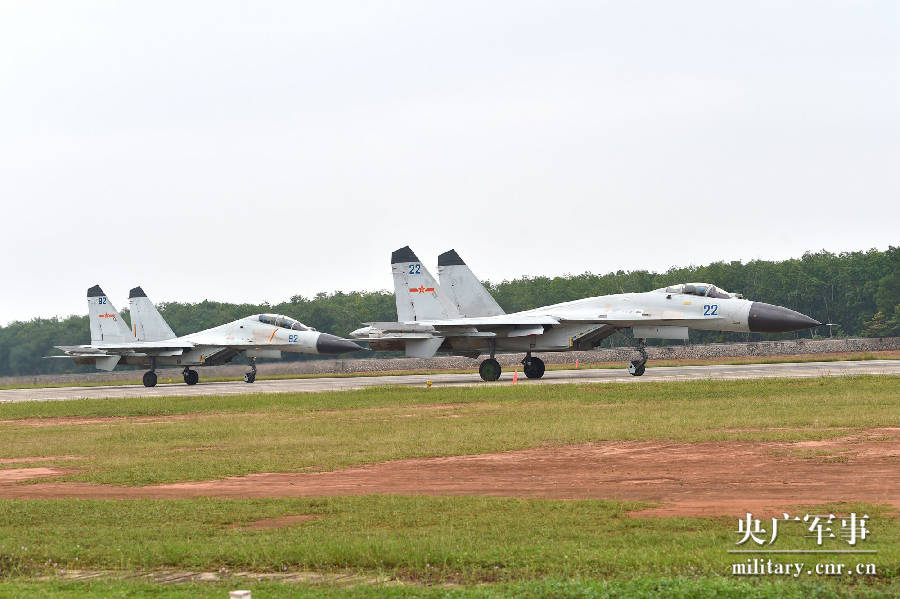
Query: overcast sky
column 250, row 151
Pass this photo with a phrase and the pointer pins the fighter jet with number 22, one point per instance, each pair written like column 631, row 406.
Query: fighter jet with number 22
column 460, row 317
column 151, row 342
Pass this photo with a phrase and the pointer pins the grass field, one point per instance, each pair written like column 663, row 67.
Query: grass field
column 215, row 437
column 424, row 546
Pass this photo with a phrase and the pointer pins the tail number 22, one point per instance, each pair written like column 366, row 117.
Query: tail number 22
column 711, row 310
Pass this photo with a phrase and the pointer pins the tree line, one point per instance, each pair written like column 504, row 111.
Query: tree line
column 859, row 292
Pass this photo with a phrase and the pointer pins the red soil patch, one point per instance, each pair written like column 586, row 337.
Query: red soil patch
column 14, row 475
column 69, row 421
column 277, row 522
column 35, row 459
column 689, row 479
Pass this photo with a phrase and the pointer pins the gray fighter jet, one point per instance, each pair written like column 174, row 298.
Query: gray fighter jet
column 150, row 341
column 460, row 317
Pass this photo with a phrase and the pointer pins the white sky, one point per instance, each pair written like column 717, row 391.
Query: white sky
column 251, row 151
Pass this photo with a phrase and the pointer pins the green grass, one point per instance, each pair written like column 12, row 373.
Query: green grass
column 639, row 588
column 235, row 435
column 434, row 540
column 427, row 546
column 850, row 357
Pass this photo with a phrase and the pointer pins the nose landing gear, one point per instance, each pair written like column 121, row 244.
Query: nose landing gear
column 637, row 367
column 251, row 376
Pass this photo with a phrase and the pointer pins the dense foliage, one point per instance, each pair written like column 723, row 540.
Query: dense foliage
column 858, row 291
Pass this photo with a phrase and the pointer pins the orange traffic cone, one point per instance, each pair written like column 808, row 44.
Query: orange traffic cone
column 515, row 377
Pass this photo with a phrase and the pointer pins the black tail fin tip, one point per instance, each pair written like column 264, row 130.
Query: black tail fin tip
column 402, row 255
column 136, row 292
column 450, row 258
column 95, row 291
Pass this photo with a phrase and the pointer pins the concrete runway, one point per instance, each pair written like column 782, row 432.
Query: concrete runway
column 600, row 375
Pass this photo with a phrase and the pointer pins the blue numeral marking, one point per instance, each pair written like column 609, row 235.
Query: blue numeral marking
column 415, row 269
column 101, row 300
column 711, row 310
column 292, row 338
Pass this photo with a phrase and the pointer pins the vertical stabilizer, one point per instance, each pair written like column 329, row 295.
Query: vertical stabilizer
column 147, row 323
column 463, row 288
column 417, row 294
column 107, row 326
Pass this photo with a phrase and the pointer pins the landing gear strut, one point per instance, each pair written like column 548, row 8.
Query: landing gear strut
column 490, row 369
column 190, row 376
column 150, row 375
column 637, row 367
column 533, row 367
column 251, row 376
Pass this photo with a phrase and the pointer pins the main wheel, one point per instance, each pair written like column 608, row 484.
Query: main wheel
column 191, row 377
column 249, row 377
column 149, row 379
column 636, row 368
column 534, row 368
column 490, row 370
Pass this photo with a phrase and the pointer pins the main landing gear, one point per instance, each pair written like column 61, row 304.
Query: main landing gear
column 637, row 367
column 149, row 379
column 251, row 376
column 490, row 369
column 533, row 367
column 150, row 376
column 190, row 376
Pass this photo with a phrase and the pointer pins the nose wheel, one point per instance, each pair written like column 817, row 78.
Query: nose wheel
column 191, row 377
column 637, row 367
column 251, row 376
column 533, row 367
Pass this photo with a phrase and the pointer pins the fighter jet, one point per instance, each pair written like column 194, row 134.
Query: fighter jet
column 151, row 342
column 460, row 317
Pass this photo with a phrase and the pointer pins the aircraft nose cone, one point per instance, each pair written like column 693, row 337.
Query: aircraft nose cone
column 329, row 344
column 766, row 318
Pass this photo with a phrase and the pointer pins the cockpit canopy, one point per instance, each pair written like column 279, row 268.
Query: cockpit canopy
column 285, row 322
column 701, row 289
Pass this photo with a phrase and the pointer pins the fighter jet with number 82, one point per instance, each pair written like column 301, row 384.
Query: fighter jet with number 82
column 459, row 316
column 150, row 341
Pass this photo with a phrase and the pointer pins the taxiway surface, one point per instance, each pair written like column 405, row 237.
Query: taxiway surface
column 596, row 375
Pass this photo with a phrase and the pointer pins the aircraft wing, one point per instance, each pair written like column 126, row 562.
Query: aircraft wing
column 488, row 322
column 617, row 319
column 169, row 347
column 635, row 317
